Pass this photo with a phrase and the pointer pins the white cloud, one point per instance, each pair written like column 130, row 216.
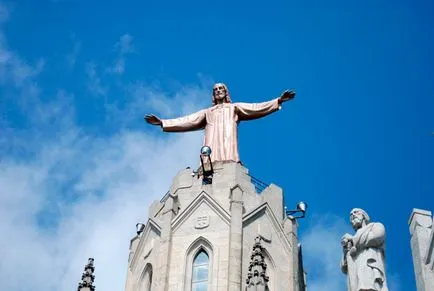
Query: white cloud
column 94, row 84
column 67, row 194
column 125, row 44
column 183, row 101
column 90, row 191
column 118, row 66
column 14, row 71
column 123, row 47
column 322, row 253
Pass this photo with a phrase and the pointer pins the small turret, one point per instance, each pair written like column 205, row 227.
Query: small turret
column 88, row 277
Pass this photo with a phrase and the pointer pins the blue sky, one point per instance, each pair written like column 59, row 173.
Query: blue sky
column 76, row 78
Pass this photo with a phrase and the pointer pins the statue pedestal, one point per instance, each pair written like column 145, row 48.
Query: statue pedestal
column 220, row 220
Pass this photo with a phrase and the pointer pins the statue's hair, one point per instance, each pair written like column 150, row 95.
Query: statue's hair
column 365, row 215
column 228, row 96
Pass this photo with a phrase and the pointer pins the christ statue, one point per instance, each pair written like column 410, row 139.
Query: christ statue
column 220, row 121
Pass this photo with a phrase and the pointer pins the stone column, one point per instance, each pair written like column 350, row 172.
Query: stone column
column 421, row 230
column 169, row 211
column 236, row 239
column 290, row 227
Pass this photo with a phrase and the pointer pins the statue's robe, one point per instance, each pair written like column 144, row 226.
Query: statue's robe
column 221, row 125
column 366, row 269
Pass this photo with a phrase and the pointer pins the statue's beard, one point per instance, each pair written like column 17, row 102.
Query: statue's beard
column 357, row 223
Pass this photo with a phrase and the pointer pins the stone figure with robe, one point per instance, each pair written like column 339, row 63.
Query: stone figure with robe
column 363, row 254
column 220, row 121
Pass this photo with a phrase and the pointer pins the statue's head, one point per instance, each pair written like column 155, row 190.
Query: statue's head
column 220, row 94
column 359, row 218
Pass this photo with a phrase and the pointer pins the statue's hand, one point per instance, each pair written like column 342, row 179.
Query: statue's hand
column 353, row 251
column 286, row 96
column 152, row 119
column 347, row 241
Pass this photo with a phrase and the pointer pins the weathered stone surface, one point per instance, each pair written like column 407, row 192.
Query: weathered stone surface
column 422, row 244
column 223, row 219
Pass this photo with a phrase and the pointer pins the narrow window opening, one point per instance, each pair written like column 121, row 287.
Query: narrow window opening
column 149, row 280
column 146, row 284
column 199, row 280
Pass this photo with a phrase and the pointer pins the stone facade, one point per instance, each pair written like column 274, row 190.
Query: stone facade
column 422, row 246
column 221, row 219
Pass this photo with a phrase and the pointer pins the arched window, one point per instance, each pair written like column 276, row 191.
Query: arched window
column 199, row 278
column 145, row 283
column 199, row 266
column 149, row 279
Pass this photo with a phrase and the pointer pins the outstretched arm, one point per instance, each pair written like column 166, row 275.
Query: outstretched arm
column 190, row 122
column 249, row 111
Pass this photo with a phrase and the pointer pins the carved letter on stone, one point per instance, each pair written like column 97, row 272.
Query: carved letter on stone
column 201, row 222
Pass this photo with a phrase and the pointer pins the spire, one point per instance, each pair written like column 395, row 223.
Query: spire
column 88, row 277
column 257, row 280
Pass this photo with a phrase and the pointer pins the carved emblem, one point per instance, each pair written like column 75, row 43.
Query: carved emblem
column 201, row 222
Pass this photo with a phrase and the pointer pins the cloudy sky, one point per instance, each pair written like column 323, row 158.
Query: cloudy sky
column 79, row 167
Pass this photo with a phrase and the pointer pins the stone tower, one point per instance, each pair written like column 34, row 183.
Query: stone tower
column 224, row 235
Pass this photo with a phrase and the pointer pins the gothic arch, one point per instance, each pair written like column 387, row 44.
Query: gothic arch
column 197, row 246
column 145, row 281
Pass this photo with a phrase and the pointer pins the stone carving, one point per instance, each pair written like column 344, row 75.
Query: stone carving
column 201, row 222
column 257, row 279
column 363, row 254
column 88, row 277
column 220, row 121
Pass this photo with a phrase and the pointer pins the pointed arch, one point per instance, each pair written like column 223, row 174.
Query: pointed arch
column 198, row 264
column 145, row 281
column 200, row 271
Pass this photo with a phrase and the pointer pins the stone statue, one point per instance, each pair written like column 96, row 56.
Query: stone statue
column 220, row 121
column 363, row 254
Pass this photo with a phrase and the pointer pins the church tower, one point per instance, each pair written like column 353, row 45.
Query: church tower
column 215, row 230
column 222, row 232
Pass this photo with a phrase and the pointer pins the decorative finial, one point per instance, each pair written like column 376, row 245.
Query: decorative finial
column 256, row 277
column 88, row 277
